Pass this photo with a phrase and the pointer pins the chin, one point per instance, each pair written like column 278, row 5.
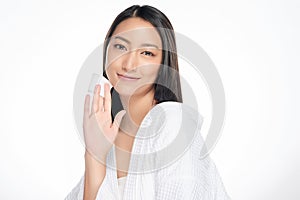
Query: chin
column 125, row 91
column 130, row 91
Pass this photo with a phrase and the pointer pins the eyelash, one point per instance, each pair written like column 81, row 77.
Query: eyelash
column 119, row 46
column 122, row 47
column 148, row 52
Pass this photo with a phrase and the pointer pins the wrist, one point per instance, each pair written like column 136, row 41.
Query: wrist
column 94, row 164
column 95, row 159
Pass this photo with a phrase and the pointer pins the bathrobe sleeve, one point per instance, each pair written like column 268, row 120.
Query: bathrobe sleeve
column 191, row 176
column 181, row 184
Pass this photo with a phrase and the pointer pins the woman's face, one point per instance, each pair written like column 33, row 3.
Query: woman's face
column 134, row 55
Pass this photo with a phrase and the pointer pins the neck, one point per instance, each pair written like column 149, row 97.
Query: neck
column 136, row 106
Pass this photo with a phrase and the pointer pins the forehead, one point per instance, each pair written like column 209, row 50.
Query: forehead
column 137, row 31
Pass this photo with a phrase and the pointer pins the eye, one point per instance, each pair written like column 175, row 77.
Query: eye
column 120, row 46
column 147, row 53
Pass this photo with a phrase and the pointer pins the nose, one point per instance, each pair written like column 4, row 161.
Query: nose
column 130, row 61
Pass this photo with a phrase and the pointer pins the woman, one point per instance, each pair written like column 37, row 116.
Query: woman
column 141, row 63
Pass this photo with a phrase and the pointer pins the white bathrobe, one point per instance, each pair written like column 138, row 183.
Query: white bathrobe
column 165, row 161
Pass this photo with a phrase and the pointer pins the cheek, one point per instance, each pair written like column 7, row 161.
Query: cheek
column 111, row 74
column 151, row 72
column 112, row 61
column 111, row 69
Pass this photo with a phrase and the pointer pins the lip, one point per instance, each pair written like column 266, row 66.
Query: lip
column 127, row 78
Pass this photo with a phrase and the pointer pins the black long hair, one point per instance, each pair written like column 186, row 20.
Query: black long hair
column 167, row 85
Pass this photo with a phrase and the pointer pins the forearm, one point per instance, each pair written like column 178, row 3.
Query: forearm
column 94, row 174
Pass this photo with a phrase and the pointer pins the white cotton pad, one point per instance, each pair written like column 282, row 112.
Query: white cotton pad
column 102, row 81
column 96, row 79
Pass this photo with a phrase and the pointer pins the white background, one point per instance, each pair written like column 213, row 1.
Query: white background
column 254, row 45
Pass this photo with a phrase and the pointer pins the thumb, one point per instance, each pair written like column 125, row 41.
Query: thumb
column 118, row 119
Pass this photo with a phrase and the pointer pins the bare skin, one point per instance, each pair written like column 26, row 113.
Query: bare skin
column 125, row 139
column 132, row 82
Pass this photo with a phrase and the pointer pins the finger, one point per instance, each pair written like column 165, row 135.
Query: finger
column 100, row 103
column 86, row 112
column 118, row 120
column 96, row 98
column 107, row 98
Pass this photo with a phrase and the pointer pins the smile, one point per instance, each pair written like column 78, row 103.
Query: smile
column 127, row 78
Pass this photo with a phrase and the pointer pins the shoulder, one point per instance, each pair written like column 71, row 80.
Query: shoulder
column 171, row 113
column 170, row 123
column 176, row 107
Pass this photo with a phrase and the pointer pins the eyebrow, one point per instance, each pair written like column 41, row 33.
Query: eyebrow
column 142, row 45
